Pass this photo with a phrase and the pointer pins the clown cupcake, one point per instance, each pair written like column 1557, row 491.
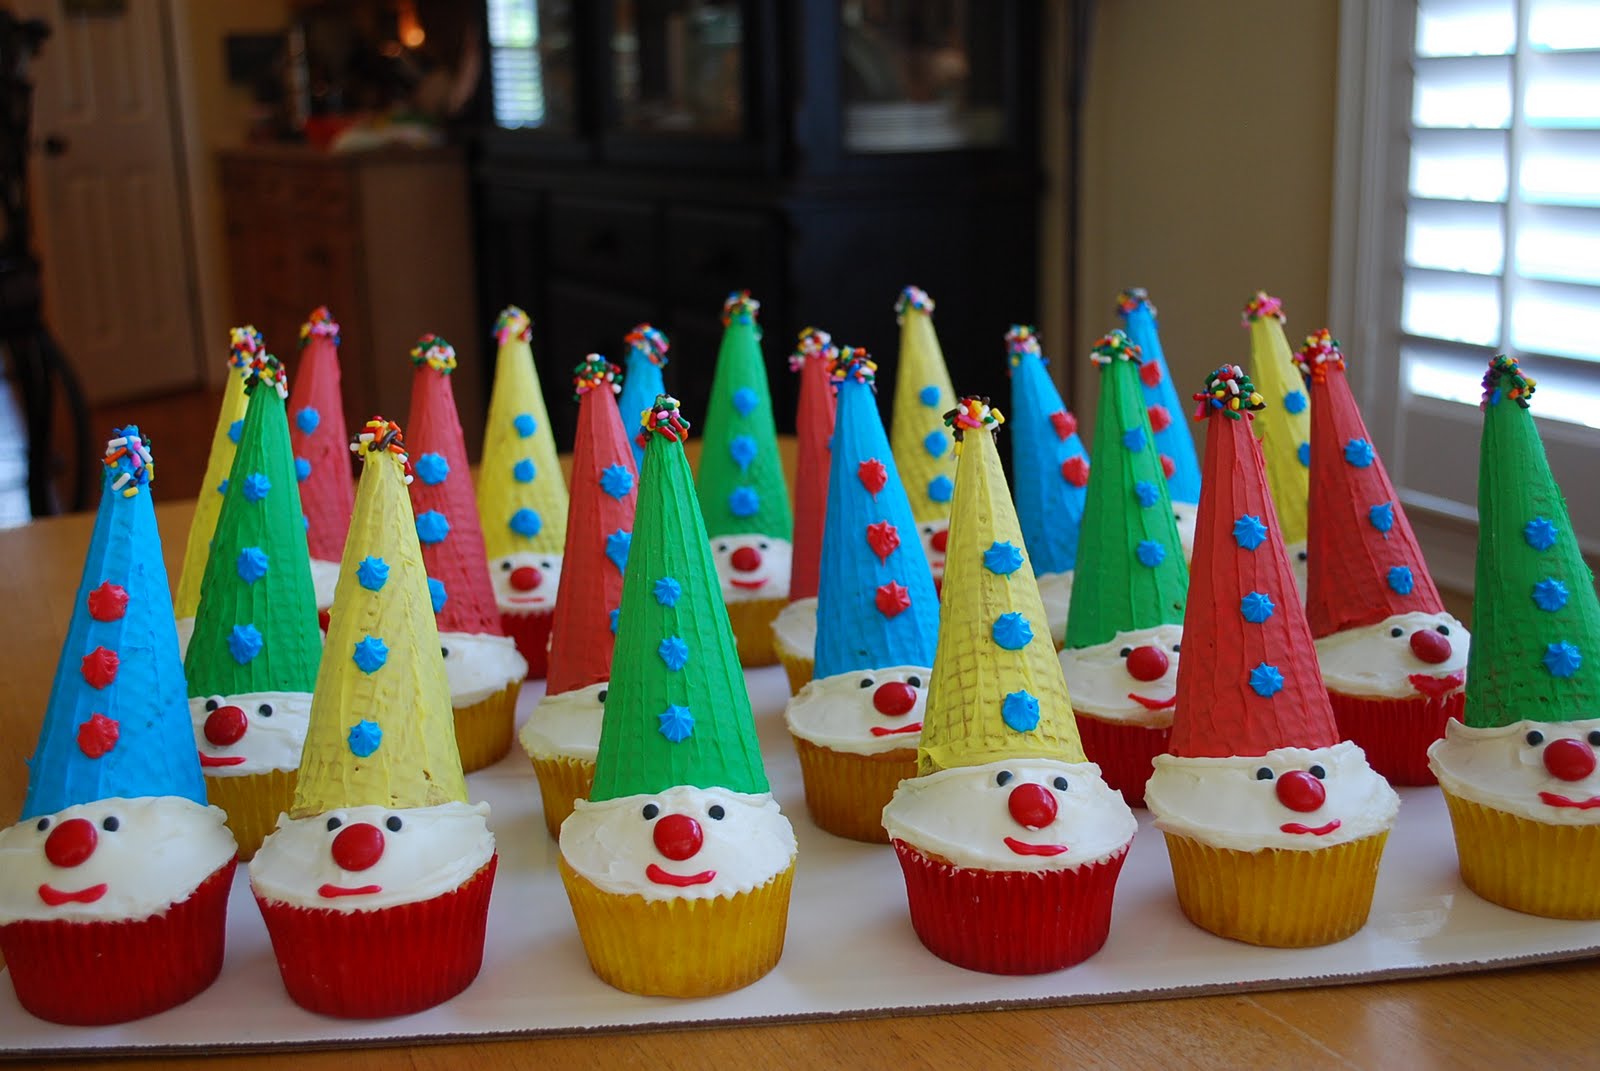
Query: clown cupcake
column 921, row 443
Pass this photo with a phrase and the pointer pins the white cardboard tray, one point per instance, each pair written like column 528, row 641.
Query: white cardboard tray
column 850, row 949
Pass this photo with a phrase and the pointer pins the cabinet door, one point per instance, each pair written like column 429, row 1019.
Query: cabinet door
column 581, row 320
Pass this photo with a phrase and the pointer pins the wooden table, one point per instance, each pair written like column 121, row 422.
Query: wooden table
column 1534, row 1016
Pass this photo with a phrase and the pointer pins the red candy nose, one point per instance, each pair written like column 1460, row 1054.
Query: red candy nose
column 525, row 578
column 940, row 539
column 1147, row 663
column 894, row 698
column 1299, row 791
column 746, row 559
column 678, row 836
column 226, row 725
column 71, row 843
column 358, row 847
column 1032, row 806
column 1570, row 760
column 1430, row 646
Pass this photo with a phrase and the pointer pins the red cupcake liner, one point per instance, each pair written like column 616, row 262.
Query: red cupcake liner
column 389, row 961
column 1396, row 733
column 98, row 973
column 532, row 635
column 1009, row 922
column 1125, row 753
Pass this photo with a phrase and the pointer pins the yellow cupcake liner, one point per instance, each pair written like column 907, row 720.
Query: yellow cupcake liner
column 799, row 669
column 562, row 781
column 253, row 803
column 1277, row 897
column 1537, row 868
column 483, row 730
column 678, row 947
column 752, row 628
column 846, row 792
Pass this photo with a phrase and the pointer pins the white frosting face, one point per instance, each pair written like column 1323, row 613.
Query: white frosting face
column 1056, row 591
column 385, row 857
column 1383, row 661
column 525, row 582
column 251, row 732
column 794, row 630
column 1541, row 770
column 566, row 725
column 1021, row 814
column 1307, row 798
column 752, row 567
column 1297, row 562
column 324, row 578
column 478, row 665
column 1101, row 682
column 127, row 859
column 1185, row 513
column 867, row 712
column 934, row 534
column 684, row 843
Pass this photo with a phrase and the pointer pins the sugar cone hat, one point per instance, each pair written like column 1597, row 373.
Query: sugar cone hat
column 117, row 722
column 876, row 603
column 740, row 480
column 922, row 394
column 256, row 629
column 1536, row 622
column 1049, row 467
column 605, row 489
column 813, row 360
column 321, row 443
column 997, row 691
column 1249, row 680
column 677, row 712
column 1284, row 427
column 1174, row 441
column 382, row 733
column 442, row 500
column 244, row 345
column 1363, row 561
column 522, row 499
column 646, row 356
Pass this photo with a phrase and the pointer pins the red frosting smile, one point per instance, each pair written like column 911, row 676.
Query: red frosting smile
column 914, row 727
column 331, row 892
column 662, row 877
column 1434, row 687
column 55, row 897
column 1155, row 704
column 1315, row 831
column 1561, row 801
column 1022, row 847
column 219, row 760
column 748, row 585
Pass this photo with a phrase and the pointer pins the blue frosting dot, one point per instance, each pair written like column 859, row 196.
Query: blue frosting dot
column 526, row 522
column 256, row 486
column 616, row 480
column 1020, row 712
column 1562, row 659
column 1012, row 631
column 743, row 450
column 1256, row 607
column 244, row 643
column 1249, row 532
column 1304, row 454
column 675, row 723
column 222, row 488
column 940, row 488
column 1294, row 402
column 432, row 469
column 525, row 424
column 1540, row 533
column 1266, row 680
column 667, row 591
column 1400, row 579
column 1133, row 439
column 744, row 502
column 1150, row 553
column 1002, row 558
column 372, row 573
column 617, row 544
column 613, row 617
column 929, row 395
column 524, row 471
column 936, row 443
column 365, row 736
column 1357, row 452
column 1382, row 516
column 745, row 400
column 308, row 419
column 370, row 654
column 235, row 431
column 1550, row 594
column 437, row 594
column 674, row 652
column 1146, row 493
column 251, row 564
column 432, row 527
column 302, row 469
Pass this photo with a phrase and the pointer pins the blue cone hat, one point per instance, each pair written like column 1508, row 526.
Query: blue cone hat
column 1049, row 466
column 1174, row 441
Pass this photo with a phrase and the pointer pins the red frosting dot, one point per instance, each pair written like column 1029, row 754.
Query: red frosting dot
column 892, row 599
column 940, row 540
column 108, row 602
column 526, row 578
column 100, row 667
column 1150, row 373
column 746, row 559
column 98, row 735
column 872, row 474
column 1075, row 470
column 71, row 843
column 884, row 538
column 1168, row 466
column 1065, row 423
column 1160, row 418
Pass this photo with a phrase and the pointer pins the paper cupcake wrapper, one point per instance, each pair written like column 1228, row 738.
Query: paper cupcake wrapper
column 800, row 669
column 97, row 973
column 1125, row 753
column 562, row 782
column 752, row 628
column 1009, row 921
column 1396, row 733
column 532, row 635
column 252, row 803
column 846, row 793
column 678, row 947
column 1533, row 867
column 390, row 961
column 484, row 730
column 1277, row 897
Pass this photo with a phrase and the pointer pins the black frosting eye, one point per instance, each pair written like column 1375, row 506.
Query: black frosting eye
column 1534, row 738
column 914, row 681
column 1264, row 774
column 602, row 695
column 1125, row 652
column 211, row 704
column 505, row 567
column 1301, row 555
column 265, row 710
column 763, row 545
column 650, row 811
column 1002, row 777
column 721, row 547
column 1594, row 738
column 44, row 824
column 394, row 823
column 1177, row 647
column 111, row 824
column 546, row 566
column 333, row 824
column 445, row 651
column 1318, row 772
column 1443, row 630
column 1060, row 783
column 1397, row 632
column 716, row 812
column 866, row 682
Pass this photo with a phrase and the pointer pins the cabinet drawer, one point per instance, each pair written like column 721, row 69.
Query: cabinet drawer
column 612, row 242
column 713, row 252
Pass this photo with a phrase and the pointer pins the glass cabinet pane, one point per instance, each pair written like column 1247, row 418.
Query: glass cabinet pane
column 677, row 67
column 532, row 64
column 921, row 75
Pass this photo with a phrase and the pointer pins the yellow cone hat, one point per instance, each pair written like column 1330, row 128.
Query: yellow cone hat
column 997, row 691
column 922, row 445
column 382, row 731
column 522, row 496
column 1284, row 427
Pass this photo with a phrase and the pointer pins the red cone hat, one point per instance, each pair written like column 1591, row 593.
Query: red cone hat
column 813, row 422
column 321, row 444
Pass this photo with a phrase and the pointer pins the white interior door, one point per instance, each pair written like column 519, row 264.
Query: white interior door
column 109, row 200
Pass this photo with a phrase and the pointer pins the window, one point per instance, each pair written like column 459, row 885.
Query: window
column 531, row 63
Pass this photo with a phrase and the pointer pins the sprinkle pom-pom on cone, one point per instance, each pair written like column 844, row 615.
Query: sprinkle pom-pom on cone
column 646, row 356
column 1048, row 461
column 812, row 359
column 1174, row 442
column 321, row 458
column 1284, row 427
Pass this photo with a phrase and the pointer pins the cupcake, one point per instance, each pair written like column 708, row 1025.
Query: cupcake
column 1393, row 660
column 253, row 660
column 1174, row 443
column 922, row 394
column 562, row 734
column 742, row 491
column 1284, row 427
column 1274, row 825
column 114, row 883
column 483, row 665
column 641, row 378
column 1126, row 627
column 321, row 451
column 1519, row 772
column 375, row 886
column 522, row 499
column 1009, row 841
column 678, row 866
column 794, row 630
column 857, row 724
column 1050, row 472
